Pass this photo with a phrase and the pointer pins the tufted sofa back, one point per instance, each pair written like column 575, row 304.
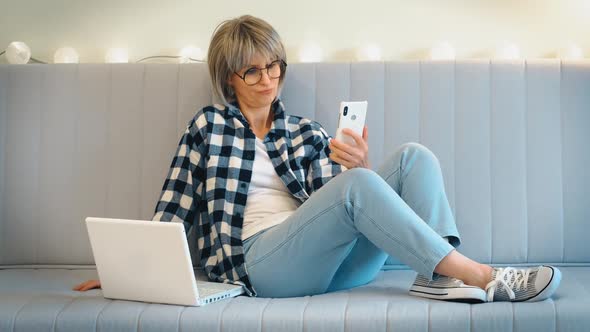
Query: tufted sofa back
column 97, row 140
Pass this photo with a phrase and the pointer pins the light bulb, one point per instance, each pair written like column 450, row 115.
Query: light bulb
column 18, row 53
column 66, row 55
column 508, row 51
column 370, row 52
column 572, row 52
column 310, row 53
column 190, row 52
column 442, row 51
column 117, row 55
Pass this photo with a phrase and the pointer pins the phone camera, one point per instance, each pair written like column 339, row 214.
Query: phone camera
column 345, row 110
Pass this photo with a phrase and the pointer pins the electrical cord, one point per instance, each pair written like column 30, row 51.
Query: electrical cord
column 169, row 56
column 149, row 57
column 37, row 61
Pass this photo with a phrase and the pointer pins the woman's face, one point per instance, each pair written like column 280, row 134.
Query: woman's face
column 259, row 95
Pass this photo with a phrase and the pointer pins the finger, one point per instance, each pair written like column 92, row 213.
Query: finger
column 366, row 134
column 339, row 160
column 349, row 152
column 88, row 287
column 343, row 154
column 344, row 161
column 357, row 139
column 345, row 147
column 333, row 157
column 338, row 143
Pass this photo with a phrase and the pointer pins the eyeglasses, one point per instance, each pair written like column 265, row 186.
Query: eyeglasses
column 274, row 70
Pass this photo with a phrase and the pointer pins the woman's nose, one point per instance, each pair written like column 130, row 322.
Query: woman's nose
column 265, row 79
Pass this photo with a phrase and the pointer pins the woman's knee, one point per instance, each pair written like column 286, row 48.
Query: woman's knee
column 363, row 176
column 417, row 150
column 363, row 181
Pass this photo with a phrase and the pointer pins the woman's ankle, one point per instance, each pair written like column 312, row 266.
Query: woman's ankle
column 482, row 277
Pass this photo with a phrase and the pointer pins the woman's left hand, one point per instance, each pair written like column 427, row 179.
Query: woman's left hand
column 351, row 156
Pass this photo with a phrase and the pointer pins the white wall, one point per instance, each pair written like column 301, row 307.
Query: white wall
column 403, row 29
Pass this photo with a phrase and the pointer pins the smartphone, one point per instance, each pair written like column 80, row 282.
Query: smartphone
column 352, row 115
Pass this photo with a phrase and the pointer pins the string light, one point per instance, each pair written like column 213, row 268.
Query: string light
column 508, row 51
column 311, row 53
column 442, row 51
column 66, row 55
column 571, row 52
column 116, row 55
column 18, row 52
column 370, row 52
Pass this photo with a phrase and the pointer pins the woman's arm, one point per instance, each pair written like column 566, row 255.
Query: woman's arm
column 351, row 156
column 181, row 192
column 322, row 169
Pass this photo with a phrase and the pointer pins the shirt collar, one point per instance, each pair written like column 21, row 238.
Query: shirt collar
column 277, row 128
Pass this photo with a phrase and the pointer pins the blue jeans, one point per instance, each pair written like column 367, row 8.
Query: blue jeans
column 341, row 236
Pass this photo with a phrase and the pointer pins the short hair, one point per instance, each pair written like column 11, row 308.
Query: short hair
column 233, row 45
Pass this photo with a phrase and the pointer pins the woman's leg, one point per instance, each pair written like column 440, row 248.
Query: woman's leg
column 421, row 186
column 463, row 268
column 301, row 255
column 360, row 266
column 414, row 173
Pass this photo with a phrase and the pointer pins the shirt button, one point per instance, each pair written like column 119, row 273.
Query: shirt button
column 243, row 185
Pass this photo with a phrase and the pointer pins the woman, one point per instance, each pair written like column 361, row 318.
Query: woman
column 284, row 210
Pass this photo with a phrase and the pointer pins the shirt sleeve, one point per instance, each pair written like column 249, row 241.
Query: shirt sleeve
column 322, row 168
column 181, row 192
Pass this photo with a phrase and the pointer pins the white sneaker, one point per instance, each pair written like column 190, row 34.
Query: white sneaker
column 523, row 285
column 447, row 288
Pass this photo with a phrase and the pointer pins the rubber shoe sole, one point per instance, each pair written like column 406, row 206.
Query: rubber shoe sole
column 459, row 294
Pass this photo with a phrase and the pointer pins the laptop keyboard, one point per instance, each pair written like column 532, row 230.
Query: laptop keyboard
column 209, row 288
column 205, row 292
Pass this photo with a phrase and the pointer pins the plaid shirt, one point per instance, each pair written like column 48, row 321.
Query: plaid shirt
column 207, row 184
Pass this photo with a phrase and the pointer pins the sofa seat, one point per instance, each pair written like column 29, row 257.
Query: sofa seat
column 42, row 300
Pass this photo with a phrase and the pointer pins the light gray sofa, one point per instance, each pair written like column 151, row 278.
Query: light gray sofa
column 97, row 139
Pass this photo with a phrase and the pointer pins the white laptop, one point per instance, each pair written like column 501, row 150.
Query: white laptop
column 149, row 261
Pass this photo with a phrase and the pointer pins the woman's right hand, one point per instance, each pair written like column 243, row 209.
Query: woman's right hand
column 89, row 284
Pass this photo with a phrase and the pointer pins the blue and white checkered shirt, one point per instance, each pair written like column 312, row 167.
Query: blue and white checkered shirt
column 207, row 184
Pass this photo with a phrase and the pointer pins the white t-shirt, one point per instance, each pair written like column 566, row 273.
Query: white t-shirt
column 269, row 201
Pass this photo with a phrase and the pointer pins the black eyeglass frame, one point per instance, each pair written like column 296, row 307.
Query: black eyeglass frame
column 280, row 61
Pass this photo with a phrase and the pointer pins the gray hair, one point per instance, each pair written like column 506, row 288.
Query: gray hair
column 233, row 45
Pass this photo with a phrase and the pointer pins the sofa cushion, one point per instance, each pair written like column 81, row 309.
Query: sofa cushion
column 42, row 299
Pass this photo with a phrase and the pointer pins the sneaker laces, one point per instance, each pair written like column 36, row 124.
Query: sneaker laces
column 508, row 279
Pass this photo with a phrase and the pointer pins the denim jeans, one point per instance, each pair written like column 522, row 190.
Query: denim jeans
column 341, row 236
